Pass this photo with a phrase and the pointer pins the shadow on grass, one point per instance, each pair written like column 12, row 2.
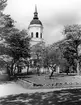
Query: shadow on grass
column 64, row 75
column 21, row 75
column 64, row 97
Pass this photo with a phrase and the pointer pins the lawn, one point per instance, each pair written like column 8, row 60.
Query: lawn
column 52, row 97
column 57, row 81
column 64, row 97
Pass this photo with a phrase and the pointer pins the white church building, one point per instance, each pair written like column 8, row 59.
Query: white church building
column 35, row 29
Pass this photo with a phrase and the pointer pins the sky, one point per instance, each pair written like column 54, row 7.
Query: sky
column 54, row 15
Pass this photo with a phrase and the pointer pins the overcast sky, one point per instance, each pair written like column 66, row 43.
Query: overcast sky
column 54, row 14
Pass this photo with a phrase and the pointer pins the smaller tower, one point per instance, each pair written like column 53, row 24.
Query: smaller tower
column 35, row 29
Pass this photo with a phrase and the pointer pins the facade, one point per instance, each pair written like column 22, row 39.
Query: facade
column 35, row 29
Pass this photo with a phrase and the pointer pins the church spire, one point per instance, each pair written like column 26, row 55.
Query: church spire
column 35, row 8
column 35, row 13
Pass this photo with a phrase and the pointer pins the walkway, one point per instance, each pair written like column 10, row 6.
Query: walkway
column 13, row 88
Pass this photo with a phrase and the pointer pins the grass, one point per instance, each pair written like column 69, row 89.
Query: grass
column 57, row 81
column 64, row 97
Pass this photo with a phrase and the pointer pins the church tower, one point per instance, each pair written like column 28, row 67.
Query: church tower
column 35, row 29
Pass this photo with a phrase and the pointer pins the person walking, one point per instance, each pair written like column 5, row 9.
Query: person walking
column 53, row 68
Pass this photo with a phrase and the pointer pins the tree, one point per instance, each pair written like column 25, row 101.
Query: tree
column 71, row 53
column 37, row 55
column 65, row 62
column 54, row 55
column 3, row 4
column 18, row 46
column 14, row 43
column 3, row 22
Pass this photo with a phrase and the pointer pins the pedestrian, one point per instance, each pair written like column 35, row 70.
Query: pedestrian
column 53, row 67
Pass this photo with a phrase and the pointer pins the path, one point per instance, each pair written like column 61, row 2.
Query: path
column 13, row 88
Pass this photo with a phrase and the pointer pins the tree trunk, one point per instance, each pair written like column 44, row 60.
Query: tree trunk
column 12, row 67
column 27, row 69
column 18, row 70
column 8, row 70
column 38, row 70
column 78, row 71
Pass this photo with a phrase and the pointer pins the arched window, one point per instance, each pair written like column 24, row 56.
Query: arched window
column 41, row 35
column 31, row 34
column 37, row 34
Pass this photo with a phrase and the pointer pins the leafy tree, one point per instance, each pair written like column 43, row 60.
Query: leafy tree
column 14, row 43
column 46, row 57
column 5, row 29
column 18, row 46
column 3, row 4
column 37, row 54
column 65, row 63
column 71, row 53
column 54, row 55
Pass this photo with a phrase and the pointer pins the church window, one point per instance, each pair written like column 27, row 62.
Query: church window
column 31, row 34
column 41, row 35
column 36, row 34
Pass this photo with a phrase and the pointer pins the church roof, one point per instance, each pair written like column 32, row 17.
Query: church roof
column 35, row 21
column 35, row 18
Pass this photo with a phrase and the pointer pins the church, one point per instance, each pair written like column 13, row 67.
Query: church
column 35, row 29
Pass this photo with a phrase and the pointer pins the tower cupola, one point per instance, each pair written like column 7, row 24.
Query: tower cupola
column 35, row 18
column 35, row 28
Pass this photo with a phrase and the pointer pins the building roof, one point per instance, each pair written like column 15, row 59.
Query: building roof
column 36, row 21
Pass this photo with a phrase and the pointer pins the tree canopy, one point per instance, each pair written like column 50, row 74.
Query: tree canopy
column 14, row 44
column 71, row 51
